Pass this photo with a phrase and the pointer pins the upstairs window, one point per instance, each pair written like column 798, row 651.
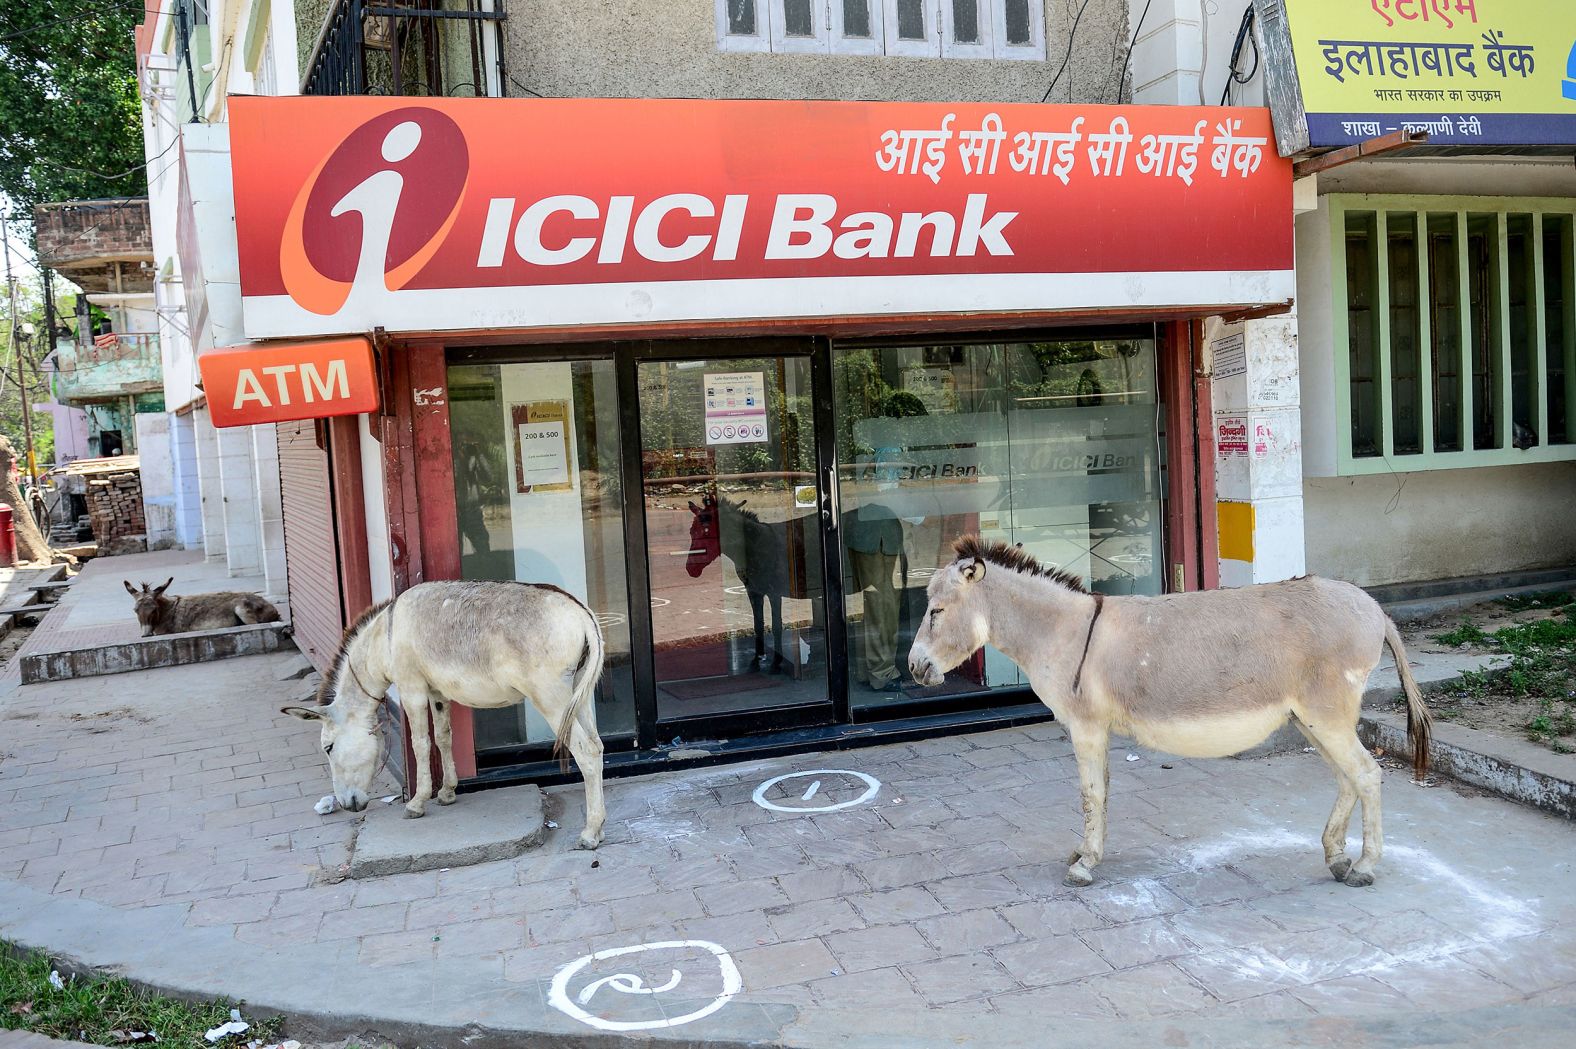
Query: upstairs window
column 999, row 29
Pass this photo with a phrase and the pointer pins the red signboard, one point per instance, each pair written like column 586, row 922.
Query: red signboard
column 279, row 382
column 451, row 214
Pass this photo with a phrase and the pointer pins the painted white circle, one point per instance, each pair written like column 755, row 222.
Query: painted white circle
column 401, row 141
column 629, row 983
column 872, row 788
column 659, row 602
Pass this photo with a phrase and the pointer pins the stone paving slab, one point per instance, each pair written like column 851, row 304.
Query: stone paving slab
column 161, row 823
column 491, row 825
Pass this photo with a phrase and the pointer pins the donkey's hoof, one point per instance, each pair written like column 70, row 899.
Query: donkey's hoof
column 446, row 797
column 1078, row 877
column 1359, row 879
column 588, row 841
column 1340, row 866
column 415, row 812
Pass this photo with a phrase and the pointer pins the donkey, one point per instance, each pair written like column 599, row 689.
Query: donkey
column 179, row 615
column 482, row 644
column 760, row 554
column 1204, row 674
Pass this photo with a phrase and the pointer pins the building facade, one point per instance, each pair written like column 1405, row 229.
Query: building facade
column 923, row 375
column 191, row 58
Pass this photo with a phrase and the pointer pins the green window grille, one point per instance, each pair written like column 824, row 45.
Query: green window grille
column 1454, row 331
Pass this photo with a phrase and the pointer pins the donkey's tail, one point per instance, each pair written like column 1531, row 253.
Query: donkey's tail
column 587, row 674
column 1419, row 722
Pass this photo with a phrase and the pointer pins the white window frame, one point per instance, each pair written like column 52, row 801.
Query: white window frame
column 951, row 47
column 874, row 44
column 760, row 41
column 1034, row 50
column 819, row 42
column 930, row 47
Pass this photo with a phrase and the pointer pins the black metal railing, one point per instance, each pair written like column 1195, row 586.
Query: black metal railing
column 417, row 47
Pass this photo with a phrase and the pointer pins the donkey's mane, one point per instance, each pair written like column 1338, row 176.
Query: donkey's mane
column 737, row 506
column 327, row 684
column 1016, row 558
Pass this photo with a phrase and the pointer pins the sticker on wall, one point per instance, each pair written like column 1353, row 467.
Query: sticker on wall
column 541, row 446
column 1231, row 435
column 699, row 970
column 735, row 407
column 1231, row 356
column 819, row 790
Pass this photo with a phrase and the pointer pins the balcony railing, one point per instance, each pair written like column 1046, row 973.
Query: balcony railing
column 102, row 246
column 416, row 47
column 112, row 364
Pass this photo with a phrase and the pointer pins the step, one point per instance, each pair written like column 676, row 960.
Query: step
column 51, row 588
column 20, row 612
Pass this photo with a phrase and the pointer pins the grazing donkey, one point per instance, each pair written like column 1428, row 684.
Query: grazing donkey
column 1200, row 674
column 481, row 644
column 762, row 554
column 179, row 615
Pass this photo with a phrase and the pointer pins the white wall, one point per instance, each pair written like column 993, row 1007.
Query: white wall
column 1440, row 524
column 212, row 497
column 1182, row 53
column 378, row 550
column 270, row 507
column 188, row 491
column 158, row 478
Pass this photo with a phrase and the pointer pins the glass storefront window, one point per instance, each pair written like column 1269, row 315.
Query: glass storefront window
column 738, row 615
column 1052, row 444
column 539, row 491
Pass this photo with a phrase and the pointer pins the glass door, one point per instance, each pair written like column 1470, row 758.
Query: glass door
column 734, row 509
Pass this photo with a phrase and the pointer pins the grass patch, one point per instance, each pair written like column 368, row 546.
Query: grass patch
column 1541, row 666
column 1465, row 634
column 1522, row 602
column 105, row 1010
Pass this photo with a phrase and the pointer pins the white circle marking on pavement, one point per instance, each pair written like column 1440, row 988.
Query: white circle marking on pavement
column 629, row 983
column 872, row 788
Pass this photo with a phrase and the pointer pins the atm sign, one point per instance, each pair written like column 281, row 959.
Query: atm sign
column 281, row 382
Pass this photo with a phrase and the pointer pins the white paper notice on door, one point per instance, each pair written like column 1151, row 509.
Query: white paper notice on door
column 735, row 407
column 542, row 453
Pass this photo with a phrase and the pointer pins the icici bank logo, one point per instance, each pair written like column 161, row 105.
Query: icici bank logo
column 376, row 210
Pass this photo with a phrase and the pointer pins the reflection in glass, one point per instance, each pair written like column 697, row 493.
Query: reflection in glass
column 911, row 19
column 1052, row 444
column 856, row 18
column 540, row 505
column 733, row 535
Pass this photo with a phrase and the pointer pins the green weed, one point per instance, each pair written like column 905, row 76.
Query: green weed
column 1522, row 602
column 1465, row 634
column 105, row 1010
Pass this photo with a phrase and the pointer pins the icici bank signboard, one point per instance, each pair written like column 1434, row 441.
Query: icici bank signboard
column 450, row 214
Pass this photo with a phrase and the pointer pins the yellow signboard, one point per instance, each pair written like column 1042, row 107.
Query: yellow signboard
column 1469, row 72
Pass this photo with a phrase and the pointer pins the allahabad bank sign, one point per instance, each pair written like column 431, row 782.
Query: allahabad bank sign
column 1468, row 72
column 450, row 214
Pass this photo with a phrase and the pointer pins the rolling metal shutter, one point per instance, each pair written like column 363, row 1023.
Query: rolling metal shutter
column 311, row 551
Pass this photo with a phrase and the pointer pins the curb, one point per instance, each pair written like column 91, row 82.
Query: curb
column 1514, row 770
column 149, row 653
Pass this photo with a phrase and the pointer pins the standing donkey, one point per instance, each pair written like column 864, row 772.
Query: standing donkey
column 481, row 644
column 1204, row 674
column 760, row 552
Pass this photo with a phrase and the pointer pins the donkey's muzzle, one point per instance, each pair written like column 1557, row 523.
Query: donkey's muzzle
column 924, row 671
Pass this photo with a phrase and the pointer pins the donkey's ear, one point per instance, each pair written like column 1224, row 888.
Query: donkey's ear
column 972, row 571
column 305, row 713
column 129, row 588
column 693, row 508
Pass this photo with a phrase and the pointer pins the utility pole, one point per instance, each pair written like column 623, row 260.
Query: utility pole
column 16, row 351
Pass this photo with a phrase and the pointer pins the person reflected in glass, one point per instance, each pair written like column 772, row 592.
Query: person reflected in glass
column 874, row 535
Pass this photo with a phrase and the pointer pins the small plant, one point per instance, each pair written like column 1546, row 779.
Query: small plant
column 1465, row 634
column 105, row 1010
column 1522, row 602
column 1559, row 746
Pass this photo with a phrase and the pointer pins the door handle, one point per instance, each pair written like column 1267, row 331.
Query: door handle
column 829, row 514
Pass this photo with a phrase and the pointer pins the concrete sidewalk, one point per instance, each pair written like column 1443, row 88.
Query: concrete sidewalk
column 161, row 823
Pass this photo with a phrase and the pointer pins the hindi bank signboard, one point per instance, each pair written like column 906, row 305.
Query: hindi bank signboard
column 1468, row 72
column 489, row 214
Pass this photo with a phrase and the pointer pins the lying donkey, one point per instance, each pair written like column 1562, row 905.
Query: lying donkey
column 481, row 644
column 1200, row 674
column 179, row 615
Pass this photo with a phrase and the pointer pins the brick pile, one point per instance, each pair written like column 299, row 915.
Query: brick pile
column 112, row 489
